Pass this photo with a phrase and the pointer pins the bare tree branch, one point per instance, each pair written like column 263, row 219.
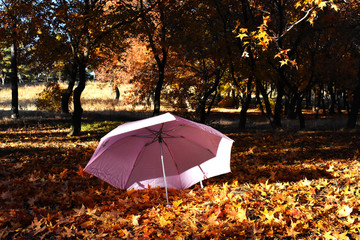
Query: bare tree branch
column 293, row 25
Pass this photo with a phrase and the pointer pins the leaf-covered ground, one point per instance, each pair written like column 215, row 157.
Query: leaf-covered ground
column 283, row 185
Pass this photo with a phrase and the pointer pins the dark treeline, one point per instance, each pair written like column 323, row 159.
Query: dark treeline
column 283, row 56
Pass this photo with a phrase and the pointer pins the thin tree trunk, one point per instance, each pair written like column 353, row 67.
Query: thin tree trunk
column 258, row 101
column 299, row 112
column 269, row 113
column 202, row 102
column 339, row 105
column 308, row 99
column 291, row 114
column 333, row 98
column 66, row 96
column 318, row 102
column 323, row 105
column 245, row 106
column 158, row 88
column 78, row 111
column 117, row 93
column 278, row 105
column 211, row 103
column 353, row 114
column 346, row 102
column 14, row 82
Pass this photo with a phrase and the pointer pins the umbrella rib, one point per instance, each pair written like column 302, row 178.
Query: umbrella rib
column 136, row 160
column 193, row 142
column 172, row 157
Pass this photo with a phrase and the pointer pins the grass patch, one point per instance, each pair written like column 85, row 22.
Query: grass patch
column 103, row 126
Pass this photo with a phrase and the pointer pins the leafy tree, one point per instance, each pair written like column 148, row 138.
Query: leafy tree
column 351, row 22
column 201, row 50
column 15, row 22
column 280, row 33
column 84, row 26
column 156, row 29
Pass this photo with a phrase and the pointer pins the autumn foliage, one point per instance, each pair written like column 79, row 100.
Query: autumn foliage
column 283, row 185
column 50, row 98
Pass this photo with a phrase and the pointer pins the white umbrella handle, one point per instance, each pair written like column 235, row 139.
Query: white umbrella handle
column 163, row 168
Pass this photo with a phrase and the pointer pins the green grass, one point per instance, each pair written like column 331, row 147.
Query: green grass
column 104, row 126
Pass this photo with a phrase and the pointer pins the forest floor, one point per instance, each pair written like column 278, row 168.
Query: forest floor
column 284, row 184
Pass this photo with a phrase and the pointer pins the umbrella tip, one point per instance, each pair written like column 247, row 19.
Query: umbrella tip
column 168, row 205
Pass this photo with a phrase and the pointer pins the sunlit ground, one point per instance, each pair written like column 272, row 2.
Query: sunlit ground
column 297, row 185
column 282, row 185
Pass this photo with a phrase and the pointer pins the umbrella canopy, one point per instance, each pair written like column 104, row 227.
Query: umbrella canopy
column 162, row 151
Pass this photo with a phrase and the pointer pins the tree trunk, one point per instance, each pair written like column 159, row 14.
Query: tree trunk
column 346, row 102
column 14, row 82
column 117, row 93
column 158, row 88
column 245, row 106
column 333, row 98
column 202, row 102
column 278, row 105
column 211, row 103
column 263, row 92
column 78, row 111
column 318, row 102
column 323, row 104
column 66, row 96
column 291, row 114
column 353, row 114
column 339, row 104
column 258, row 101
column 308, row 99
column 299, row 112
column 201, row 110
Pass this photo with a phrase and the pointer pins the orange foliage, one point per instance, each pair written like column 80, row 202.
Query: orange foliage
column 301, row 185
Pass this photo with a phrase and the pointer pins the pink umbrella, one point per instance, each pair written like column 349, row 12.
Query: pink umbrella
column 162, row 151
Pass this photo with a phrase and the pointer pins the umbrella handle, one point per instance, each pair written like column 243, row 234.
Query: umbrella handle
column 164, row 174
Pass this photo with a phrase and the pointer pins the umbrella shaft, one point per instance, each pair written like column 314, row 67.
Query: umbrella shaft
column 163, row 168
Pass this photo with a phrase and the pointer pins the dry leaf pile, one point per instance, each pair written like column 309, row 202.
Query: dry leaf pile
column 283, row 185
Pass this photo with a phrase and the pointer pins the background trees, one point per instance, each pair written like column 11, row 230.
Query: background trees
column 83, row 27
column 16, row 33
column 281, row 55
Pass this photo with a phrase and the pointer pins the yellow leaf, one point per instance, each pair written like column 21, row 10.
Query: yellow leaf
column 283, row 62
column 345, row 211
column 291, row 230
column 80, row 211
column 243, row 30
column 349, row 220
column 322, row 5
column 278, row 55
column 269, row 216
column 242, row 35
column 163, row 222
column 238, row 212
column 329, row 236
column 177, row 203
column 306, row 182
column 331, row 168
column 342, row 235
column 212, row 220
column 333, row 6
column 135, row 220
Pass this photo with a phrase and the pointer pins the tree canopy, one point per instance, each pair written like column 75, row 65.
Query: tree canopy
column 197, row 53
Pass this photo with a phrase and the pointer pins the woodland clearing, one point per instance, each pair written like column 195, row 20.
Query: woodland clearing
column 283, row 185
